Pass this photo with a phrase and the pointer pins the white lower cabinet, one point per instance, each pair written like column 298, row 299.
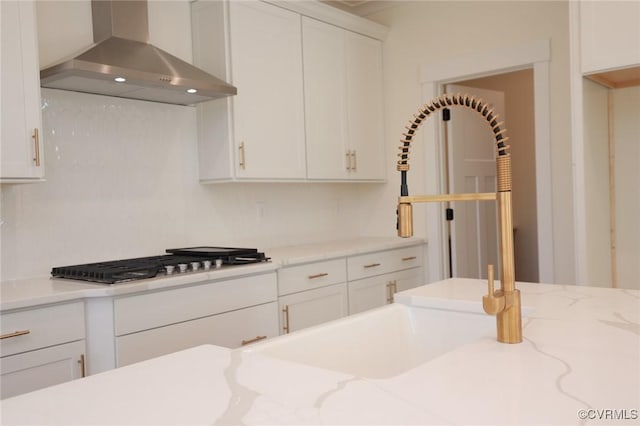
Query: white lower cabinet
column 369, row 293
column 312, row 307
column 41, row 347
column 317, row 292
column 231, row 330
column 227, row 313
column 375, row 277
column 42, row 368
column 312, row 293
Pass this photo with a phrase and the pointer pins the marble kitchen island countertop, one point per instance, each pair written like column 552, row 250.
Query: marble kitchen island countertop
column 578, row 364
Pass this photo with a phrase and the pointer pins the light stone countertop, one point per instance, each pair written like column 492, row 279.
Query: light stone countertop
column 304, row 253
column 24, row 293
column 580, row 357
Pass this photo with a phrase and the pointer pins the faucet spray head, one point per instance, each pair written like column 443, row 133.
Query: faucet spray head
column 405, row 220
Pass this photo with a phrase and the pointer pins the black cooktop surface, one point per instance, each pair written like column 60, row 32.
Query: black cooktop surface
column 212, row 251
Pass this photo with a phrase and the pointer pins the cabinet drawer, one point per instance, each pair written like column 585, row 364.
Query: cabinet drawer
column 311, row 275
column 371, row 264
column 231, row 330
column 46, row 326
column 151, row 310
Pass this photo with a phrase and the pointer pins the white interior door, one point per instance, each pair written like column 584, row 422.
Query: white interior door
column 472, row 168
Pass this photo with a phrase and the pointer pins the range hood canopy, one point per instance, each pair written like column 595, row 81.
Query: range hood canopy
column 122, row 63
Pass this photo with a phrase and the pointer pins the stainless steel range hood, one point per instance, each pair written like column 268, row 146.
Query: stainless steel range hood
column 122, row 63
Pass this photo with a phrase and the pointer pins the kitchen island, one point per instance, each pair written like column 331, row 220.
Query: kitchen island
column 578, row 364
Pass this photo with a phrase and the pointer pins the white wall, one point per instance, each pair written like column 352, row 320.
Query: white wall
column 596, row 165
column 122, row 177
column 626, row 131
column 438, row 31
column 624, row 107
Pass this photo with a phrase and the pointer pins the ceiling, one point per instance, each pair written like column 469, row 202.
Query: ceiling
column 360, row 7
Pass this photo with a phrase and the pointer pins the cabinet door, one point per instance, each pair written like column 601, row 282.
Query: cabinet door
column 364, row 106
column 405, row 280
column 370, row 293
column 307, row 308
column 38, row 369
column 21, row 146
column 325, row 100
column 231, row 330
column 268, row 111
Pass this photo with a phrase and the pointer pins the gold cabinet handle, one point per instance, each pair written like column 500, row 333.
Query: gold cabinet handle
column 83, row 365
column 255, row 339
column 15, row 334
column 391, row 290
column 242, row 163
column 36, row 143
column 320, row 275
column 372, row 265
column 406, row 259
column 285, row 326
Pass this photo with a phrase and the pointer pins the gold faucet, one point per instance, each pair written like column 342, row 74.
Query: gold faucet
column 504, row 302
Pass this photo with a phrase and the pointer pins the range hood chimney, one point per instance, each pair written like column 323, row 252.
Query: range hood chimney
column 122, row 63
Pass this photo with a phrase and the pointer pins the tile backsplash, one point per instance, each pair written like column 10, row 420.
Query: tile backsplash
column 122, row 181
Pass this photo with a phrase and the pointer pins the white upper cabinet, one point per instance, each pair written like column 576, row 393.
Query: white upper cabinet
column 610, row 35
column 22, row 158
column 325, row 116
column 364, row 106
column 343, row 103
column 309, row 102
column 259, row 133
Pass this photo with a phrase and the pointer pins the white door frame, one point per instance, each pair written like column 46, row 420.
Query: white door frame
column 433, row 76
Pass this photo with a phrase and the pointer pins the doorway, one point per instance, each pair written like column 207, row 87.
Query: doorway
column 470, row 153
column 534, row 55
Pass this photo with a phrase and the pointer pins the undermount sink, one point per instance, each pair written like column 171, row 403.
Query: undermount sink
column 382, row 342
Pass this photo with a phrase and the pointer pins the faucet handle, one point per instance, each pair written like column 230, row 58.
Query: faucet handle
column 491, row 303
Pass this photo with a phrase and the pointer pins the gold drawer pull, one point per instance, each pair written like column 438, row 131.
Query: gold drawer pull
column 255, row 339
column 15, row 334
column 372, row 265
column 405, row 259
column 320, row 275
column 391, row 290
column 83, row 365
